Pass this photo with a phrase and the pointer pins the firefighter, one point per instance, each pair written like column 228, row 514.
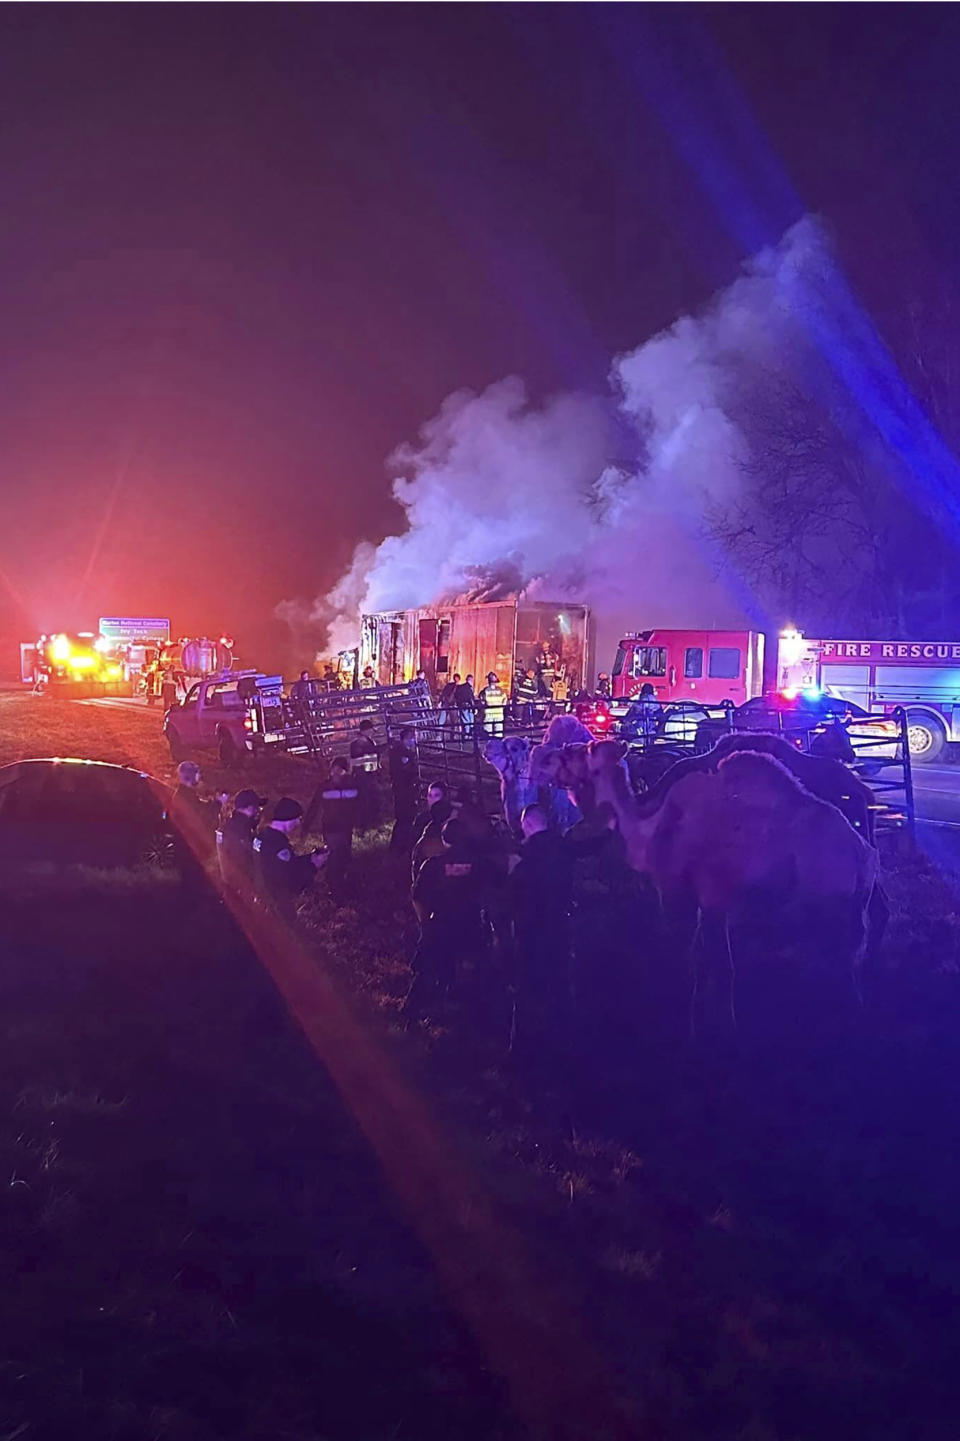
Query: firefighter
column 168, row 689
column 494, row 701
column 447, row 898
column 526, row 692
column 301, row 689
column 405, row 781
column 235, row 840
column 548, row 663
column 603, row 685
column 365, row 765
column 282, row 874
column 540, row 908
column 330, row 680
column 369, row 679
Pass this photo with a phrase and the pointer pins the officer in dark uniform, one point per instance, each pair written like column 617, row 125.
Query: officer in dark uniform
column 405, row 780
column 301, row 689
column 282, row 874
column 235, row 840
column 193, row 820
column 540, row 903
column 337, row 801
column 365, row 765
column 448, row 898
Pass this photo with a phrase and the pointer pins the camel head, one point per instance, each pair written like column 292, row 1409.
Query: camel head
column 510, row 756
column 604, row 758
column 572, row 770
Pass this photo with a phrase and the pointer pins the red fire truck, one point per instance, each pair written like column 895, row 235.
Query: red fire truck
column 921, row 676
column 706, row 667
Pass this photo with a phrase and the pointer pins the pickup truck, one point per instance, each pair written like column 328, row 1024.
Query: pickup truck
column 236, row 713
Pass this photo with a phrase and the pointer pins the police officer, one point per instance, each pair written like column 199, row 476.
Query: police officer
column 405, row 780
column 338, row 800
column 447, row 898
column 235, row 840
column 193, row 819
column 365, row 765
column 540, row 903
column 282, row 874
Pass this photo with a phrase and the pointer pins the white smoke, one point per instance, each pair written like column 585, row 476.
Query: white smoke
column 495, row 481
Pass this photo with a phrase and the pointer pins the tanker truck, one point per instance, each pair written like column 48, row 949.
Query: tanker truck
column 188, row 659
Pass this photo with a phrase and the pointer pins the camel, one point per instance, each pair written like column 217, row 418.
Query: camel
column 716, row 836
column 829, row 779
column 531, row 773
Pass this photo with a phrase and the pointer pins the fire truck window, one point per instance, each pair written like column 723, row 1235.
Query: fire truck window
column 618, row 663
column 649, row 660
column 693, row 662
column 724, row 663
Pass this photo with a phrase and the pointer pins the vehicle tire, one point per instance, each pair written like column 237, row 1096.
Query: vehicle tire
column 229, row 754
column 177, row 752
column 926, row 737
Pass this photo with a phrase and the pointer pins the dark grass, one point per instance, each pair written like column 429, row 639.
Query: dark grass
column 761, row 1234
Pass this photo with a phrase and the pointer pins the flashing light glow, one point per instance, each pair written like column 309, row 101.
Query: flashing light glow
column 82, row 662
column 792, row 646
column 101, row 644
column 60, row 648
column 790, row 693
column 812, row 692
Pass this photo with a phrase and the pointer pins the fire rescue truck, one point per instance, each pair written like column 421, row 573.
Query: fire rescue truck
column 878, row 675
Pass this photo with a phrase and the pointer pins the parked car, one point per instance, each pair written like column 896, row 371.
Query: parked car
column 62, row 812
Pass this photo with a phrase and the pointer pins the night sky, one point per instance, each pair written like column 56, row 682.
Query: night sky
column 246, row 250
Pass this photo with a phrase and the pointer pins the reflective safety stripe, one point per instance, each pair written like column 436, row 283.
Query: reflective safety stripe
column 340, row 795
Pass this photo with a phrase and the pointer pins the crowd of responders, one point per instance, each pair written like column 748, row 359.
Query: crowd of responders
column 521, row 916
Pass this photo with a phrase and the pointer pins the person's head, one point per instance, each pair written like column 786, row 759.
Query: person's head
column 287, row 815
column 421, row 675
column 339, row 767
column 602, row 677
column 248, row 803
column 456, row 678
column 492, row 678
column 436, row 791
column 470, row 680
column 646, row 691
column 368, row 670
column 408, row 737
column 188, row 774
column 530, row 673
column 365, row 727
column 533, row 821
column 453, row 833
column 327, row 668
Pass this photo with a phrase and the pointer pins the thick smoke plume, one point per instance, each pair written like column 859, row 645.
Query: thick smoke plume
column 604, row 499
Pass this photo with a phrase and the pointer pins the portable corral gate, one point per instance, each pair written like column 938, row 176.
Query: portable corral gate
column 323, row 724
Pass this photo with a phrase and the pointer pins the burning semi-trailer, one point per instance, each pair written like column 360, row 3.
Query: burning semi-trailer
column 477, row 637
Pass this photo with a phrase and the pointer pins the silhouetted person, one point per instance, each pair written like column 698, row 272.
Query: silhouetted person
column 405, row 782
column 283, row 875
column 447, row 897
column 235, row 841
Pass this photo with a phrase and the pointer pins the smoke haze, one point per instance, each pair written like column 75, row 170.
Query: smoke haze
column 604, row 499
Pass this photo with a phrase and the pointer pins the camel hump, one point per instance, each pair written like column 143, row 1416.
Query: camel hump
column 758, row 771
column 759, row 742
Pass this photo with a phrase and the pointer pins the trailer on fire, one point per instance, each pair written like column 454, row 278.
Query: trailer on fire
column 474, row 638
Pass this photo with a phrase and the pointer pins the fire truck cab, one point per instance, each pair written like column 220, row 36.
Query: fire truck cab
column 706, row 667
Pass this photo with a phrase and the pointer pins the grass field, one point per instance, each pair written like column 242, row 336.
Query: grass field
column 758, row 1240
